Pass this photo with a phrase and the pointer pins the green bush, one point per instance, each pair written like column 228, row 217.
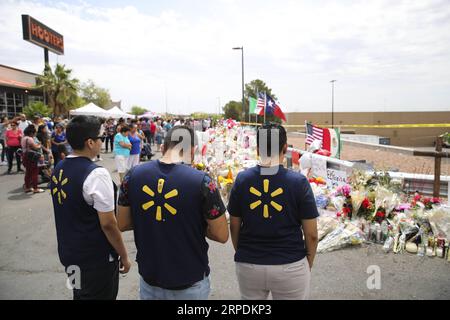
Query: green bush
column 37, row 107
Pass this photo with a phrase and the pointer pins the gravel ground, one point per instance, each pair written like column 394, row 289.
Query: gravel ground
column 383, row 160
column 30, row 269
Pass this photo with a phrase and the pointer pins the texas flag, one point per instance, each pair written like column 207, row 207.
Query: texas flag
column 272, row 107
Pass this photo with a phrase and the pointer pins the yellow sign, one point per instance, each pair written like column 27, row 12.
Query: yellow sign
column 147, row 205
column 258, row 193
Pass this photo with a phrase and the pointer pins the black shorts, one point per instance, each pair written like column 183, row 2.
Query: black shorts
column 99, row 283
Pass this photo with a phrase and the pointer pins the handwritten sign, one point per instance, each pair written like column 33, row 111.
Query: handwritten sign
column 336, row 178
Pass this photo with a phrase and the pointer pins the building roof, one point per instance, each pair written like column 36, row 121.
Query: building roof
column 34, row 74
column 16, row 78
column 16, row 84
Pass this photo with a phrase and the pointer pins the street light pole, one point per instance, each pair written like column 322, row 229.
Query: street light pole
column 218, row 98
column 332, row 102
column 243, row 100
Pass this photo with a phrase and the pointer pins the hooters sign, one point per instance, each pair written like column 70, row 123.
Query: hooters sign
column 41, row 35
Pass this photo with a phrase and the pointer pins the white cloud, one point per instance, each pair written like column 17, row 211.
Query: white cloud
column 392, row 53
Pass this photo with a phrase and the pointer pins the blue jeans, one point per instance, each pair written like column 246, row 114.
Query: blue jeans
column 199, row 291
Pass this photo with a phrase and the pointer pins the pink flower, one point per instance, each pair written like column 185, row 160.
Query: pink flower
column 212, row 186
column 403, row 206
column 213, row 212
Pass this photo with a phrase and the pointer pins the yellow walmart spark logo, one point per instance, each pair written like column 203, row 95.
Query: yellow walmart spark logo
column 58, row 186
column 151, row 203
column 257, row 193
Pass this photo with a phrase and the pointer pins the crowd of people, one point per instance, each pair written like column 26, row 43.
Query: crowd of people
column 36, row 145
column 130, row 140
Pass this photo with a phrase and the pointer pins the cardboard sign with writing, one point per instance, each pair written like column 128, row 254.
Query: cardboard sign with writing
column 336, row 178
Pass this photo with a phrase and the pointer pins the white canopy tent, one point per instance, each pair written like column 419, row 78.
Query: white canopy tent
column 118, row 113
column 91, row 109
column 149, row 115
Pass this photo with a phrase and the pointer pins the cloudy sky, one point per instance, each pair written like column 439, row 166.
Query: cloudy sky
column 385, row 55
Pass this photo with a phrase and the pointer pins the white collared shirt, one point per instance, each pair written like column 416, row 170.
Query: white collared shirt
column 98, row 190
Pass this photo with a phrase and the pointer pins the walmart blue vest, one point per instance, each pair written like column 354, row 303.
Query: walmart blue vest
column 169, row 227
column 81, row 240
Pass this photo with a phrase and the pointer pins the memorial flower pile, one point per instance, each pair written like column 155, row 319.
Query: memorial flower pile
column 370, row 208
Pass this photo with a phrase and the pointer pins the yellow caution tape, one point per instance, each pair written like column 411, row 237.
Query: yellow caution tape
column 401, row 126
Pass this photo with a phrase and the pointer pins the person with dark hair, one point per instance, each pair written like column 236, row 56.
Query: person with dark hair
column 152, row 132
column 31, row 144
column 122, row 147
column 62, row 151
column 46, row 162
column 135, row 139
column 120, row 123
column 271, row 209
column 158, row 135
column 172, row 207
column 83, row 197
column 110, row 132
column 3, row 127
column 58, row 138
column 145, row 127
column 13, row 137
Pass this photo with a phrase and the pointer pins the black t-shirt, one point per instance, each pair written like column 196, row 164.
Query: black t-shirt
column 271, row 208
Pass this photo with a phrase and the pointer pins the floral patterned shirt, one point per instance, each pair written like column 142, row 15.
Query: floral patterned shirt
column 213, row 206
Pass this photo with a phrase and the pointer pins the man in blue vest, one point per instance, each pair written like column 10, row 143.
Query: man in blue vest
column 89, row 240
column 172, row 207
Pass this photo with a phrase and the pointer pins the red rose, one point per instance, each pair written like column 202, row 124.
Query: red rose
column 380, row 214
column 436, row 200
column 417, row 197
column 346, row 210
column 338, row 214
column 366, row 203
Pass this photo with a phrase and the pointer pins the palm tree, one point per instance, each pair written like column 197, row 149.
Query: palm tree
column 60, row 88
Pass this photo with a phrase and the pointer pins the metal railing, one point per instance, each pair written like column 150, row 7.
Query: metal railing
column 423, row 183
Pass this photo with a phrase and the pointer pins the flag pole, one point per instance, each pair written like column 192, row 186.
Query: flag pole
column 265, row 102
column 306, row 132
column 257, row 97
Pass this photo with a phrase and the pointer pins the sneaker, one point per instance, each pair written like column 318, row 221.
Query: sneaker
column 20, row 170
column 99, row 159
column 3, row 163
column 38, row 190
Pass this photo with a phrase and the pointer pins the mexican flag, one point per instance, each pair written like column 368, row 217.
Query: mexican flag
column 252, row 105
column 331, row 141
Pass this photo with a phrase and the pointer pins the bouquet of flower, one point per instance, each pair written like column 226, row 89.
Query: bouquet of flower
column 439, row 219
column 426, row 202
column 357, row 198
column 382, row 196
column 325, row 225
column 337, row 202
column 344, row 235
